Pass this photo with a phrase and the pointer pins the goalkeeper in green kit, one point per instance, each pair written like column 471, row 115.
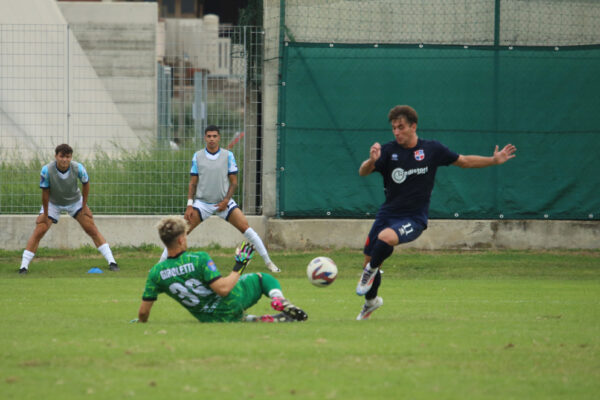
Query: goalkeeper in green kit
column 193, row 280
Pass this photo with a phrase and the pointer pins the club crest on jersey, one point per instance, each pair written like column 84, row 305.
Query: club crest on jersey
column 211, row 265
column 394, row 157
column 419, row 155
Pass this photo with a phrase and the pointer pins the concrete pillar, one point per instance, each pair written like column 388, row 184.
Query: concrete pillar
column 270, row 96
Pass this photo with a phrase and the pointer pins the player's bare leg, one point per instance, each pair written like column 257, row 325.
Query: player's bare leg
column 193, row 219
column 42, row 225
column 86, row 220
column 240, row 222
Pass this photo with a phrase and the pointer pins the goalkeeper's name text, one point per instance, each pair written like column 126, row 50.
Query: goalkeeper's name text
column 173, row 272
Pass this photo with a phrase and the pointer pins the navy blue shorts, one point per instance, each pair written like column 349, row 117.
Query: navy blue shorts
column 407, row 229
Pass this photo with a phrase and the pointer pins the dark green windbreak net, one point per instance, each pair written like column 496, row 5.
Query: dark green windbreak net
column 545, row 100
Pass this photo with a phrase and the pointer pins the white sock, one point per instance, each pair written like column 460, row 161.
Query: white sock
column 164, row 255
column 372, row 301
column 371, row 268
column 105, row 251
column 275, row 293
column 27, row 257
column 253, row 238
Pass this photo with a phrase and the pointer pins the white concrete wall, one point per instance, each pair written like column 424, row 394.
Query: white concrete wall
column 120, row 39
column 316, row 233
column 118, row 230
column 199, row 41
column 442, row 234
column 49, row 92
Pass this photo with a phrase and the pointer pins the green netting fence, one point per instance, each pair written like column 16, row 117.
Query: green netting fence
column 545, row 99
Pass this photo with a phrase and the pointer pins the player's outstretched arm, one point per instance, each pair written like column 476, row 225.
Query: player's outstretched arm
column 144, row 312
column 505, row 154
column 243, row 255
column 368, row 165
column 499, row 157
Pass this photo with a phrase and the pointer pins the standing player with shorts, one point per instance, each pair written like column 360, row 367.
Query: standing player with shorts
column 60, row 193
column 213, row 182
column 193, row 280
column 408, row 166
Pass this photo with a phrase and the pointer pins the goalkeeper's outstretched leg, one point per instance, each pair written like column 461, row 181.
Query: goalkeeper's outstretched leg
column 258, row 284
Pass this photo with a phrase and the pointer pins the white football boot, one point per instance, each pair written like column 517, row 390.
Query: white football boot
column 369, row 307
column 272, row 267
column 366, row 280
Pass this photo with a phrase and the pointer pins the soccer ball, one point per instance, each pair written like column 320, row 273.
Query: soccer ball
column 321, row 271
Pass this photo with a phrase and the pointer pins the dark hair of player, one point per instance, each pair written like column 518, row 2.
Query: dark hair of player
column 407, row 112
column 212, row 128
column 64, row 149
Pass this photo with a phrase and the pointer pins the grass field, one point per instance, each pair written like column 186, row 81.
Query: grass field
column 477, row 325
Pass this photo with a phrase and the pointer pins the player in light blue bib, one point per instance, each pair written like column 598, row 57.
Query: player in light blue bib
column 60, row 193
column 213, row 181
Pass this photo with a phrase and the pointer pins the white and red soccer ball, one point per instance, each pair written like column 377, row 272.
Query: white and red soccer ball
column 321, row 271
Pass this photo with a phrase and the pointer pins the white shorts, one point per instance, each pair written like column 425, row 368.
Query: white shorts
column 207, row 209
column 54, row 210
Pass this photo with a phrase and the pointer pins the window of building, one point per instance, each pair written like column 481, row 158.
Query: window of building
column 188, row 7
column 167, row 8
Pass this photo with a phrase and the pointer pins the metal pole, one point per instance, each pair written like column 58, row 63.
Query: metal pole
column 279, row 108
column 496, row 88
column 245, row 129
column 68, row 87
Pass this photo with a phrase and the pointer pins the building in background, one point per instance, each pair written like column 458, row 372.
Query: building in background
column 54, row 91
column 227, row 10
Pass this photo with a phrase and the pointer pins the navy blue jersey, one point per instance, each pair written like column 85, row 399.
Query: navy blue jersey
column 409, row 175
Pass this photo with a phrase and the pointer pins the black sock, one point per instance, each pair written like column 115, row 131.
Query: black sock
column 381, row 251
column 372, row 293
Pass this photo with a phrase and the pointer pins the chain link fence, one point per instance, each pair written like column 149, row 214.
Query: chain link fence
column 462, row 22
column 133, row 102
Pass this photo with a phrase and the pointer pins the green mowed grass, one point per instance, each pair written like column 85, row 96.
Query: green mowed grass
column 481, row 325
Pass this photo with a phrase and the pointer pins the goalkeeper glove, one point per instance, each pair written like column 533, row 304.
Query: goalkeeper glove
column 243, row 255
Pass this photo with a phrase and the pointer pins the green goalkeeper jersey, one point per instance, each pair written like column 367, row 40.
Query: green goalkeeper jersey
column 187, row 278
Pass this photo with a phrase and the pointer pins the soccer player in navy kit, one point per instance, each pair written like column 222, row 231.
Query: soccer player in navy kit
column 408, row 166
